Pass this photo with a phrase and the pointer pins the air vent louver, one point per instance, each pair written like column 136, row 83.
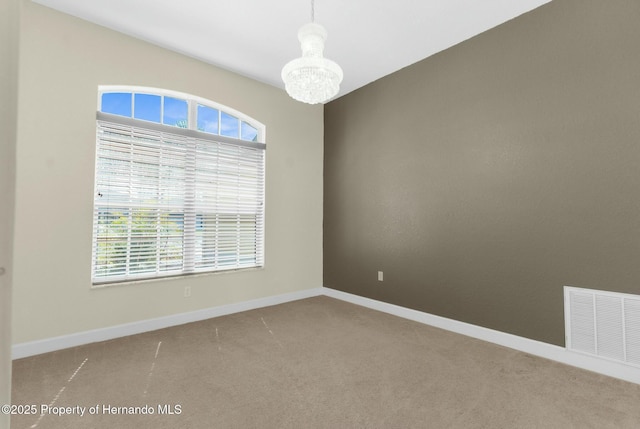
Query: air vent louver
column 604, row 324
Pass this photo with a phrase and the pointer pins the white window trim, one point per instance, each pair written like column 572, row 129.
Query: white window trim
column 192, row 101
column 190, row 132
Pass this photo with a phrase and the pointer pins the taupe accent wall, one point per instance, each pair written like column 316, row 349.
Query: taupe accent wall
column 8, row 117
column 483, row 179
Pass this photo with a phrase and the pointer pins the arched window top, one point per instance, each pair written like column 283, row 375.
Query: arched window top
column 180, row 110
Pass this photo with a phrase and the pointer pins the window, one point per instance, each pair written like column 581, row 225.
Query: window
column 179, row 186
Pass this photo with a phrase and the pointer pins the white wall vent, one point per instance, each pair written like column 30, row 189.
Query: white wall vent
column 604, row 324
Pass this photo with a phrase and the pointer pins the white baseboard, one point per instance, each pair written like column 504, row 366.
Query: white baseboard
column 58, row 343
column 537, row 348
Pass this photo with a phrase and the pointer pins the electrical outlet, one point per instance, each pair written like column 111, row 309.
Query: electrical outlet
column 187, row 291
column 380, row 276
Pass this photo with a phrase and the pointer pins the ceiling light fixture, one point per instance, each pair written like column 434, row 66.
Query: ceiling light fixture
column 312, row 78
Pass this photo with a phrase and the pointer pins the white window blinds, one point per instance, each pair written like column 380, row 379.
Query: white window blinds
column 172, row 201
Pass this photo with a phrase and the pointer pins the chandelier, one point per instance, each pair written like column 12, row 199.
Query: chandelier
column 312, row 78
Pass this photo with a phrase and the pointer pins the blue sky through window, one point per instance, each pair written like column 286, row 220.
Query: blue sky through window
column 117, row 103
column 207, row 119
column 229, row 126
column 175, row 112
column 147, row 107
column 248, row 132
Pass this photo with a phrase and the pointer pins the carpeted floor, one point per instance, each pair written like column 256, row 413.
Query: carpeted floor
column 314, row 363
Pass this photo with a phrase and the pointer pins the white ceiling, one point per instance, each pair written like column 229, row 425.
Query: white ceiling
column 255, row 38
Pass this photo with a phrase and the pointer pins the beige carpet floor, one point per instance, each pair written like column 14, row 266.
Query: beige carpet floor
column 314, row 363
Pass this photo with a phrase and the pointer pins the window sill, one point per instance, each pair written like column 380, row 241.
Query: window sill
column 108, row 285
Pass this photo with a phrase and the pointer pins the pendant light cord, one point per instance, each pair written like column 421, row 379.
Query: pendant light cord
column 312, row 12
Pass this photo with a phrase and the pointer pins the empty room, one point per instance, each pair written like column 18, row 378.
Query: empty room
column 320, row 214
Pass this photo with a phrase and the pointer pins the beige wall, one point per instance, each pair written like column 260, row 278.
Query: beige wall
column 8, row 109
column 485, row 178
column 63, row 60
